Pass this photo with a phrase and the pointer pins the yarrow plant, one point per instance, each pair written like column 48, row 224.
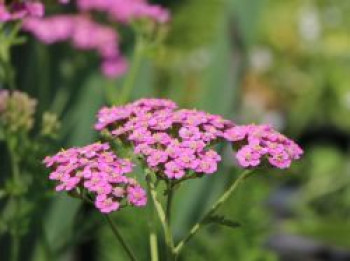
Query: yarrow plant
column 171, row 145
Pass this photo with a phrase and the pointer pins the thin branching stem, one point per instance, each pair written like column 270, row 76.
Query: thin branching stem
column 121, row 240
column 211, row 211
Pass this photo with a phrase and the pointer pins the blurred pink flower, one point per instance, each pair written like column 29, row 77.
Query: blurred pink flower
column 114, row 67
column 83, row 31
column 20, row 10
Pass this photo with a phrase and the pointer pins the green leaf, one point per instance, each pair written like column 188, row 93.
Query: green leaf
column 222, row 220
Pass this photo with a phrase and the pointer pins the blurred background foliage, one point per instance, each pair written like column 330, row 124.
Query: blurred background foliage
column 282, row 62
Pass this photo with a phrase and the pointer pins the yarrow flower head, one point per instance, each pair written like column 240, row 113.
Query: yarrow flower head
column 96, row 169
column 173, row 143
column 177, row 143
column 256, row 143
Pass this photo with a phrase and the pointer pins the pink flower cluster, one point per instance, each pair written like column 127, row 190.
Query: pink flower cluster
column 79, row 29
column 126, row 10
column 19, row 10
column 172, row 142
column 86, row 34
column 258, row 142
column 98, row 170
column 178, row 142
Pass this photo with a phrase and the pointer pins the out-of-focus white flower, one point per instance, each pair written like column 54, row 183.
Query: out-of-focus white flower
column 309, row 24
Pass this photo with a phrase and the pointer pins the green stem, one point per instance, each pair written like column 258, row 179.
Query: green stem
column 114, row 229
column 153, row 245
column 9, row 72
column 169, row 201
column 162, row 217
column 15, row 176
column 120, row 238
column 153, row 233
column 212, row 210
column 135, row 66
column 8, row 41
column 170, row 192
column 14, row 248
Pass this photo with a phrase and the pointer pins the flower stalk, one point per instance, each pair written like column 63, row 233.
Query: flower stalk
column 15, row 237
column 212, row 210
column 170, row 193
column 153, row 239
column 162, row 217
column 153, row 244
column 121, row 240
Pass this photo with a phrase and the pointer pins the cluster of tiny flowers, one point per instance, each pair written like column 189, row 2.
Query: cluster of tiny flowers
column 174, row 143
column 98, row 170
column 19, row 10
column 258, row 142
column 16, row 111
column 80, row 27
column 78, row 30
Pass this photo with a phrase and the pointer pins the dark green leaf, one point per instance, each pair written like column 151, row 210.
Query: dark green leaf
column 222, row 220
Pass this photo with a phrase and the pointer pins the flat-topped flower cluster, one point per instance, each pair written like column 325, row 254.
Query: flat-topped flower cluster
column 98, row 170
column 175, row 144
column 258, row 142
column 172, row 142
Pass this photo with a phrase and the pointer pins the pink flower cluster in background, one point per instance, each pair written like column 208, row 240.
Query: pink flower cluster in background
column 260, row 142
column 86, row 34
column 179, row 142
column 20, row 10
column 98, row 170
column 126, row 11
